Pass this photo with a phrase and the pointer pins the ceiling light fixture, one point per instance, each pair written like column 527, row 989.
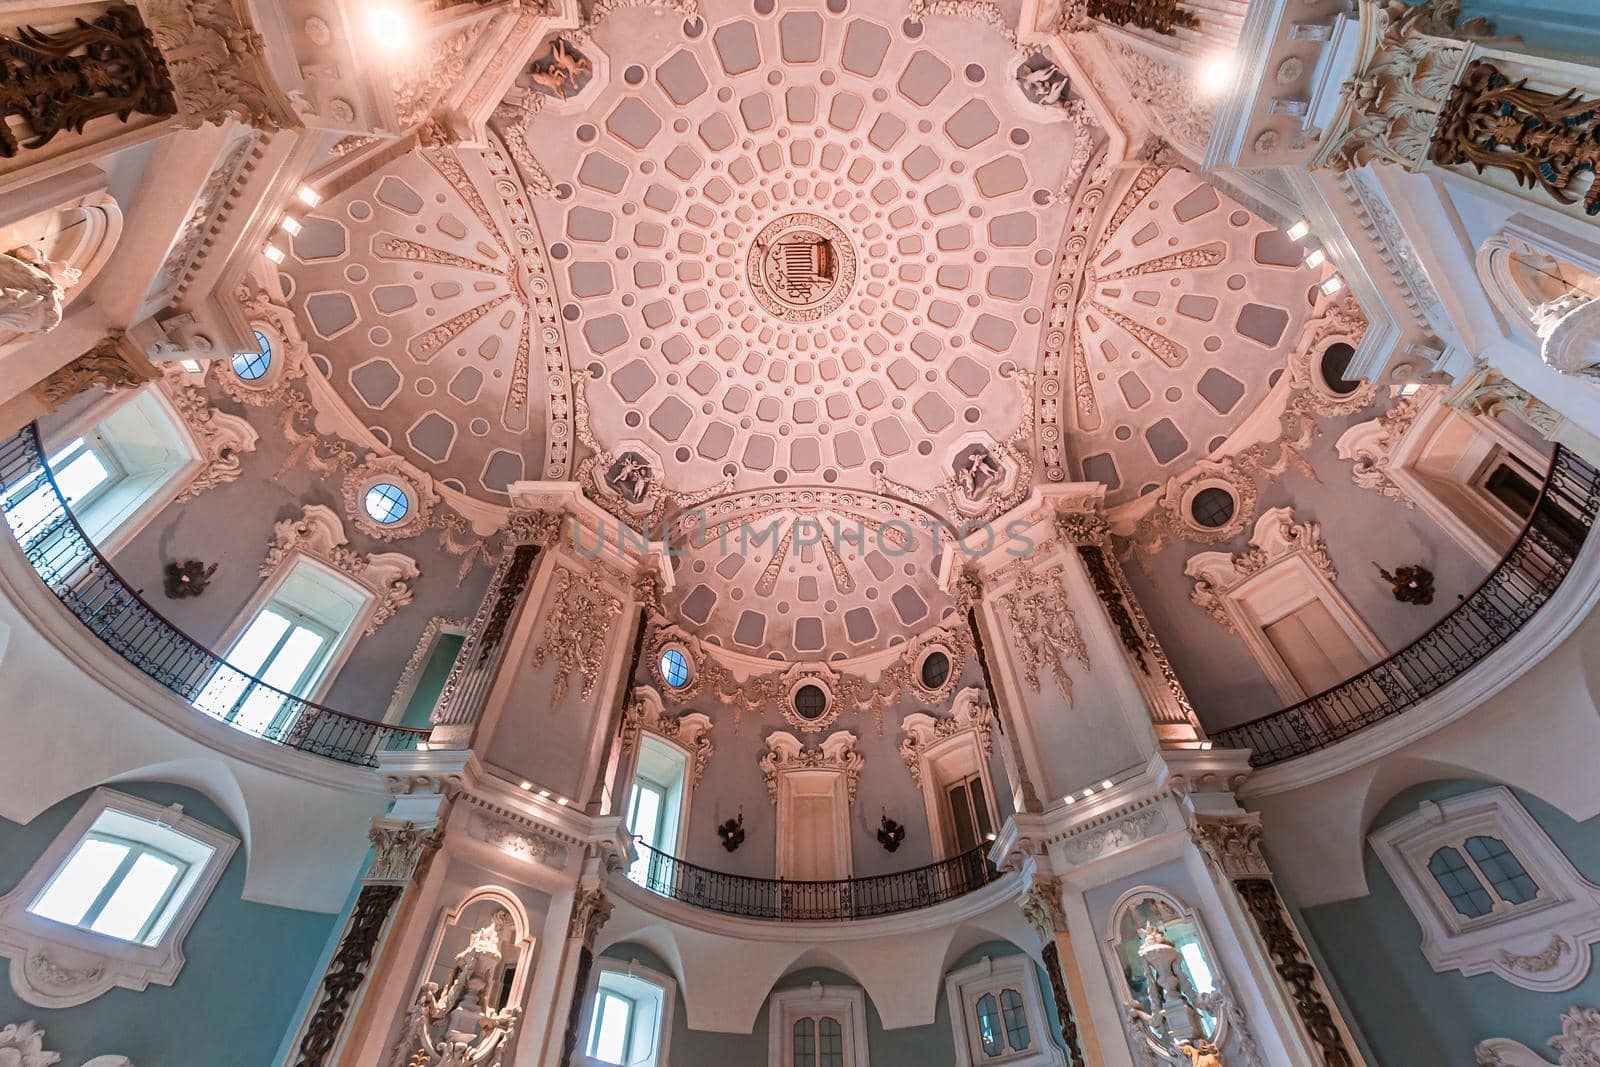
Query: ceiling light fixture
column 1087, row 793
column 193, row 366
column 563, row 801
column 309, row 196
column 1331, row 285
column 1315, row 258
column 1216, row 75
column 1299, row 230
column 526, row 785
column 274, row 253
column 1070, row 799
column 545, row 793
column 390, row 28
column 1106, row 784
column 290, row 225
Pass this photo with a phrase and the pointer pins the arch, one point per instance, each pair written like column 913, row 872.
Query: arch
column 1520, row 277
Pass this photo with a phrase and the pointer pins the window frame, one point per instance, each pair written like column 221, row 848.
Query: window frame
column 941, row 752
column 116, row 512
column 645, row 988
column 992, row 976
column 847, row 1004
column 56, row 965
column 1543, row 944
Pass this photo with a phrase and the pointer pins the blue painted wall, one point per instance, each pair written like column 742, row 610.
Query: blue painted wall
column 1562, row 26
column 1411, row 1015
column 247, row 965
column 915, row 1046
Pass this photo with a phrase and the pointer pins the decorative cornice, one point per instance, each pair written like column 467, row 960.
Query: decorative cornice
column 690, row 730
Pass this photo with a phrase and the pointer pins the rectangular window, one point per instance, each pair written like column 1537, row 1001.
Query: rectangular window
column 287, row 647
column 123, row 879
column 83, row 469
column 647, row 810
column 1510, row 485
column 969, row 813
column 611, row 1032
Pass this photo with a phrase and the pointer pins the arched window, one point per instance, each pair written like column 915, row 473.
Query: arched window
column 1016, row 1018
column 989, row 1025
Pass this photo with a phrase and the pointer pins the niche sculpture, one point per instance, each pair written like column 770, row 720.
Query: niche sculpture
column 461, row 1027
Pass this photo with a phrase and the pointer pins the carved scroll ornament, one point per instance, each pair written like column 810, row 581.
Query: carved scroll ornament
column 319, row 534
column 111, row 364
column 1547, row 141
column 59, row 82
column 786, row 752
column 217, row 64
column 581, row 618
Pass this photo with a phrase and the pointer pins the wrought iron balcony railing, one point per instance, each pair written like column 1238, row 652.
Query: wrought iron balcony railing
column 794, row 901
column 42, row 524
column 1512, row 594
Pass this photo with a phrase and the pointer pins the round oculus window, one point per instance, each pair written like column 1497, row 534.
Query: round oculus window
column 1212, row 507
column 1335, row 364
column 253, row 365
column 810, row 702
column 935, row 670
column 675, row 668
column 387, row 503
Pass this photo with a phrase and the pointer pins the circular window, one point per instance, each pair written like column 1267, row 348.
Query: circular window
column 1335, row 362
column 675, row 668
column 935, row 670
column 810, row 702
column 1212, row 507
column 387, row 503
column 252, row 365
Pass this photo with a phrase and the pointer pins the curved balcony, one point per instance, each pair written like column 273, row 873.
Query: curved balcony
column 73, row 570
column 798, row 901
column 1526, row 578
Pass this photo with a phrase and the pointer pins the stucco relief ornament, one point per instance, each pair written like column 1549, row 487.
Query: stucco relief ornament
column 223, row 439
column 22, row 1045
column 1276, row 536
column 690, row 730
column 111, row 364
column 459, row 1027
column 1041, row 907
column 1232, row 844
column 399, row 851
column 217, row 63
column 1578, row 1044
column 1370, row 447
column 591, row 908
column 786, row 752
column 33, row 291
column 1044, row 628
column 319, row 533
column 925, row 731
column 581, row 617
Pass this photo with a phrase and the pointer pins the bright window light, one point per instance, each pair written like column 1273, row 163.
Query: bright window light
column 386, row 503
column 1199, row 970
column 1331, row 285
column 1299, row 230
column 609, row 1033
column 309, row 196
column 1216, row 75
column 389, row 27
column 1410, row 388
column 290, row 225
column 119, row 881
column 193, row 366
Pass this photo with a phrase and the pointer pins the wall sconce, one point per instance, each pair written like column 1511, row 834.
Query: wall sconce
column 732, row 833
column 1412, row 584
column 890, row 833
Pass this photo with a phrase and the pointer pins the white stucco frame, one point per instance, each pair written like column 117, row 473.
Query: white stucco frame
column 58, row 966
column 1543, row 945
column 639, row 983
column 963, row 987
column 845, row 1003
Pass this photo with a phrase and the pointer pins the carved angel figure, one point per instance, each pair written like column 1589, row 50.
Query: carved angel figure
column 32, row 291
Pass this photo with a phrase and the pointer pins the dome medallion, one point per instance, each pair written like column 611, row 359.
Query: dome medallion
column 801, row 267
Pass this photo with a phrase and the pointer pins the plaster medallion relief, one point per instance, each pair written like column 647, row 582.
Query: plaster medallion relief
column 517, row 840
column 319, row 534
column 801, row 267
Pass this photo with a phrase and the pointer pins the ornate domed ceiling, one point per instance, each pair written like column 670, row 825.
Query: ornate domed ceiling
column 820, row 268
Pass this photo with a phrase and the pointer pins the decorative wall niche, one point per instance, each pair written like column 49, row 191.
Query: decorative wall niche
column 813, row 789
column 1492, row 893
column 471, row 984
column 1279, row 598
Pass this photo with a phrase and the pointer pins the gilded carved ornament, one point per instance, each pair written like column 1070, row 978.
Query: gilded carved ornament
column 113, row 363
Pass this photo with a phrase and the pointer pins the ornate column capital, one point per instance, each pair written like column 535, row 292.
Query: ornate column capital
column 217, row 65
column 534, row 526
column 114, row 363
column 401, row 852
column 591, row 908
column 1041, row 906
column 1232, row 844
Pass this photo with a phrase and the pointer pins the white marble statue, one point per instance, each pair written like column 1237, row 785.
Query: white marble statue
column 33, row 290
